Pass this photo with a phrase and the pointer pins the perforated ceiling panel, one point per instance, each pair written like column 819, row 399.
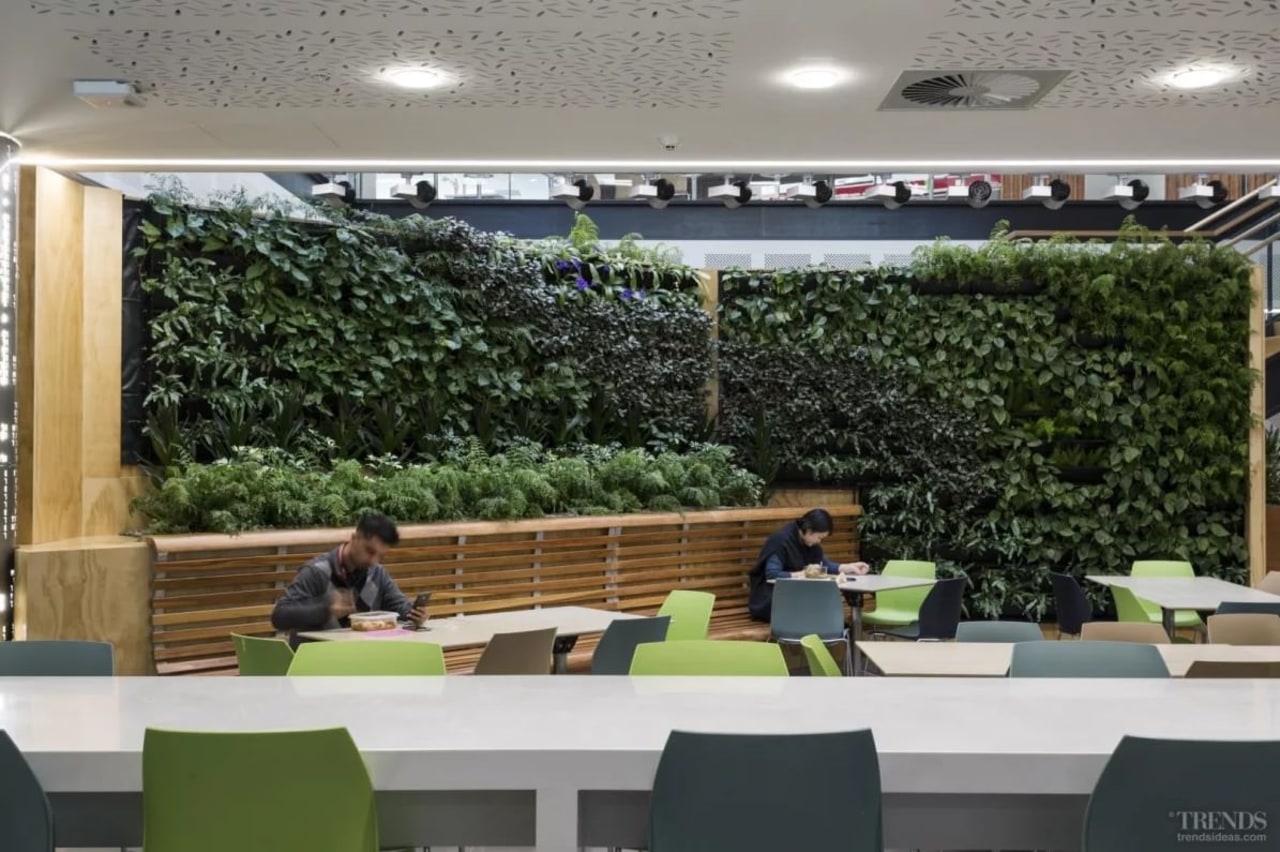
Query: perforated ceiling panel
column 727, row 260
column 786, row 261
column 271, row 54
column 1075, row 9
column 1122, row 69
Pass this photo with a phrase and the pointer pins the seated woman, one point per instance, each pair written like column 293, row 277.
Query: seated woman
column 787, row 553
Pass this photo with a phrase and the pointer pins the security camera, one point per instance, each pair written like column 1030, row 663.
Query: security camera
column 1207, row 195
column 1053, row 194
column 658, row 194
column 419, row 194
column 575, row 194
column 334, row 193
column 669, row 142
column 731, row 195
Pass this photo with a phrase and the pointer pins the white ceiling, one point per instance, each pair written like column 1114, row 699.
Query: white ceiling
column 602, row 80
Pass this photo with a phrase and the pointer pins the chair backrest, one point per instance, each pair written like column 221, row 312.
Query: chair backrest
column 260, row 657
column 255, row 792
column 998, row 631
column 56, row 658
column 690, row 613
column 367, row 657
column 821, row 663
column 525, row 653
column 1232, row 669
column 1144, row 632
column 1238, row 607
column 1270, row 583
column 1157, row 794
column 1070, row 602
column 1244, row 628
column 906, row 599
column 1161, row 568
column 26, row 820
column 617, row 646
column 1131, row 609
column 942, row 607
column 704, row 781
column 709, row 658
column 1086, row 659
column 801, row 607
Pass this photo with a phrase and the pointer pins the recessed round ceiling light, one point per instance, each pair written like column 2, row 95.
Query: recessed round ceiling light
column 1199, row 77
column 815, row 77
column 416, row 78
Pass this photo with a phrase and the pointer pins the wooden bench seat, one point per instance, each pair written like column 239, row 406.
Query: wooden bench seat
column 206, row 587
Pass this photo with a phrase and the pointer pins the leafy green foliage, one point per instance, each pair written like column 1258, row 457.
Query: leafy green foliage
column 362, row 336
column 268, row 488
column 1273, row 467
column 1014, row 408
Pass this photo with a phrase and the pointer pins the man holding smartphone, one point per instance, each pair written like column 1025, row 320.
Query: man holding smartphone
column 350, row 578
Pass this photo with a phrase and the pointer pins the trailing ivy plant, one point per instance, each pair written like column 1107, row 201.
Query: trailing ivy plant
column 359, row 335
column 257, row 488
column 1085, row 405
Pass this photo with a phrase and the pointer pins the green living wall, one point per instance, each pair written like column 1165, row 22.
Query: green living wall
column 1008, row 410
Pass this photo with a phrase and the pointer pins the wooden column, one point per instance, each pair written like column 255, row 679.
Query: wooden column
column 1256, row 517
column 711, row 304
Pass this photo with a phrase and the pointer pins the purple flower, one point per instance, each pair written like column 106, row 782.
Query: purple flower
column 563, row 265
column 582, row 283
column 577, row 264
column 642, row 294
column 604, row 270
column 627, row 293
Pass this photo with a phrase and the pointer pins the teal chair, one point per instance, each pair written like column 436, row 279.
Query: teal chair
column 1086, row 659
column 706, row 794
column 259, row 657
column 901, row 607
column 809, row 607
column 690, row 613
column 617, row 647
column 998, row 631
column 709, row 658
column 1162, row 568
column 372, row 657
column 256, row 792
column 26, row 820
column 816, row 653
column 56, row 658
column 1151, row 791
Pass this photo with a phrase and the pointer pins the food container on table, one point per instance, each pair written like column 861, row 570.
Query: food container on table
column 367, row 621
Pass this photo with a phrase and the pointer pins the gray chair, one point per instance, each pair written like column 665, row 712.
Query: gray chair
column 1086, row 659
column 527, row 652
column 705, row 783
column 998, row 631
column 1237, row 607
column 809, row 607
column 617, row 646
column 1071, row 603
column 1156, row 794
column 26, row 820
column 56, row 658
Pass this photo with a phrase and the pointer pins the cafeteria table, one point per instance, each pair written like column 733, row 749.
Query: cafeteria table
column 1172, row 594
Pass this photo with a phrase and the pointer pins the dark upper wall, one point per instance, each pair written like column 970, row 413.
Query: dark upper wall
column 793, row 221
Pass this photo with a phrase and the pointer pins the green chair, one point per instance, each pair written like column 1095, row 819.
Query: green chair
column 709, row 658
column 690, row 613
column 26, row 820
column 375, row 657
column 706, row 793
column 617, row 647
column 901, row 607
column 1086, row 659
column 256, row 792
column 821, row 663
column 1162, row 568
column 56, row 658
column 998, row 631
column 1162, row 794
column 259, row 657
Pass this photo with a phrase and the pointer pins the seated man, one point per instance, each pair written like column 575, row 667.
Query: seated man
column 787, row 553
column 347, row 579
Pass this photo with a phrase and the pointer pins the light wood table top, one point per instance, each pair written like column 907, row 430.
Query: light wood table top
column 991, row 659
column 1185, row 593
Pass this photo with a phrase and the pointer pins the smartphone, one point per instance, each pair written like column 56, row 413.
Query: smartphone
column 421, row 601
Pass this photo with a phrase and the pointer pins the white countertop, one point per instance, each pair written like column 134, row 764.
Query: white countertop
column 606, row 733
column 1183, row 593
column 991, row 659
column 469, row 630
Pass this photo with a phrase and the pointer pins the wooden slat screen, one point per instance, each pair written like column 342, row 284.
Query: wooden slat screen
column 208, row 586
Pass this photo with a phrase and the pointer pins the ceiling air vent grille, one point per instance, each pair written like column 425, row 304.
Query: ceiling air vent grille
column 971, row 90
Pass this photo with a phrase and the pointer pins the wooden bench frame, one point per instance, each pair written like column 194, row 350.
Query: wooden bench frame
column 205, row 587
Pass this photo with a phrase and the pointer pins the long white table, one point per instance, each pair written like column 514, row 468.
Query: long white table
column 991, row 659
column 470, row 631
column 560, row 762
column 1175, row 594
